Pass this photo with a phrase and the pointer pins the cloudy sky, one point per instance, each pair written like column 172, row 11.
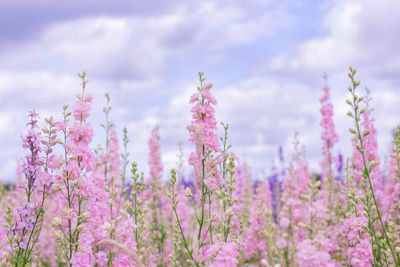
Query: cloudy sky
column 265, row 58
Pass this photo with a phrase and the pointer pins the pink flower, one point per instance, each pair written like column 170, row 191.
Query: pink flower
column 361, row 255
column 359, row 250
column 81, row 111
column 101, row 258
column 221, row 254
column 213, row 182
column 328, row 135
column 155, row 163
column 309, row 254
column 203, row 116
column 82, row 259
column 60, row 126
column 81, row 133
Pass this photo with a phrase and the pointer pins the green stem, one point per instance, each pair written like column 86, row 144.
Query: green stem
column 185, row 243
column 367, row 171
column 203, row 194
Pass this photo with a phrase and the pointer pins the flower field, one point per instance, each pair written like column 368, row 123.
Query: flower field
column 74, row 204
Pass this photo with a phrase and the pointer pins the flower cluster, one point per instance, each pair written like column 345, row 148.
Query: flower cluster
column 76, row 205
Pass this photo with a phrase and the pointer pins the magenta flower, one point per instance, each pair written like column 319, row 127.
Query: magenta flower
column 33, row 161
column 155, row 162
column 203, row 129
column 328, row 136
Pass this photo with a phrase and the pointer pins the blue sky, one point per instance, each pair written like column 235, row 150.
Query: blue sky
column 265, row 58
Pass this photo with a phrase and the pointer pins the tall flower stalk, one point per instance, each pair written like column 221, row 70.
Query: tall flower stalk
column 74, row 184
column 27, row 222
column 155, row 191
column 203, row 134
column 329, row 138
column 135, row 208
column 371, row 207
column 174, row 203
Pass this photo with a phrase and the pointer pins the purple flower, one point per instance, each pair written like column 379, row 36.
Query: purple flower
column 32, row 142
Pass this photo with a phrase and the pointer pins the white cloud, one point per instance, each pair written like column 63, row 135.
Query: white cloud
column 136, row 59
column 358, row 33
column 361, row 33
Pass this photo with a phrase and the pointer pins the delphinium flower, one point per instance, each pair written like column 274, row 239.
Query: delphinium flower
column 103, row 201
column 74, row 183
column 382, row 246
column 352, row 231
column 328, row 201
column 371, row 148
column 98, row 225
column 228, row 218
column 118, row 225
column 209, row 164
column 154, row 194
column 135, row 209
column 371, row 151
column 255, row 235
column 51, row 162
column 243, row 192
column 177, row 244
column 293, row 210
column 110, row 229
column 313, row 253
column 114, row 168
column 33, row 161
column 121, row 226
column 281, row 159
column 271, row 236
column 28, row 217
column 329, row 138
column 203, row 133
column 221, row 254
column 392, row 191
column 182, row 233
column 315, row 249
column 357, row 246
column 112, row 165
column 51, row 168
column 110, row 161
column 182, row 202
column 118, row 239
column 155, row 163
column 180, row 162
column 275, row 187
column 277, row 173
column 339, row 168
column 393, row 173
column 125, row 161
column 357, row 162
column 224, row 221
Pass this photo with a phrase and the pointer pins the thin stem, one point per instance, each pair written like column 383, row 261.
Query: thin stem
column 174, row 205
column 366, row 170
column 203, row 195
